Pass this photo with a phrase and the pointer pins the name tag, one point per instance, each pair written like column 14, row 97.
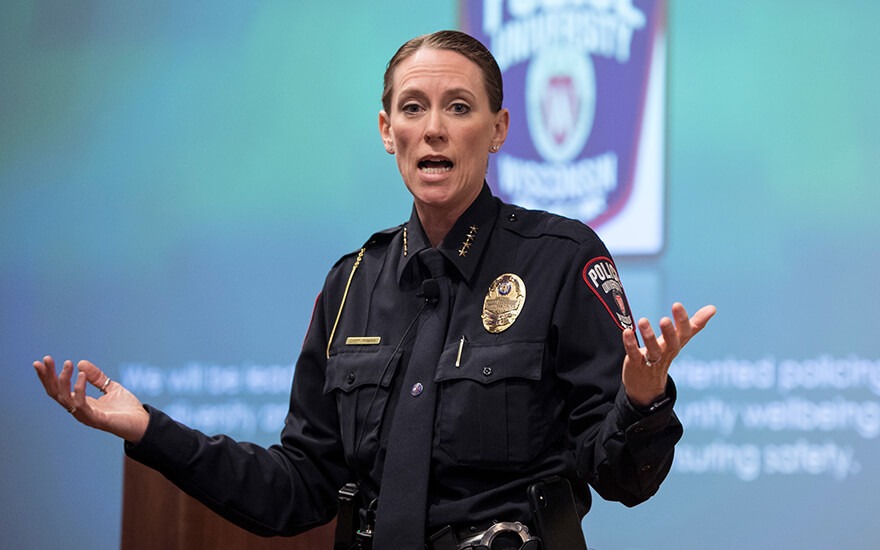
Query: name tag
column 362, row 340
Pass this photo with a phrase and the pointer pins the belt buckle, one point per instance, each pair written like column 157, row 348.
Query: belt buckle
column 487, row 537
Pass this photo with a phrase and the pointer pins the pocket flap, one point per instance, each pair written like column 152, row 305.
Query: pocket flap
column 349, row 370
column 488, row 364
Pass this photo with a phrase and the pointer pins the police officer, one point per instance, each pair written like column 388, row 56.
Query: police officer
column 451, row 362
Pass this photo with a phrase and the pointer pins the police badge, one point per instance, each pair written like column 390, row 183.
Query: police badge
column 503, row 302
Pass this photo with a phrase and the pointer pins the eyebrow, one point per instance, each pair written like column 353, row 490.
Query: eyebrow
column 453, row 92
column 460, row 92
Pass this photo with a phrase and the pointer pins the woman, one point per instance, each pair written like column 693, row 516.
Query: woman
column 443, row 384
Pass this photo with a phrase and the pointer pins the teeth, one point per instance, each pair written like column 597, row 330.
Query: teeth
column 435, row 170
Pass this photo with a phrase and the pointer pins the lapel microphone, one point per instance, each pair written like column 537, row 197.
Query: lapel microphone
column 430, row 291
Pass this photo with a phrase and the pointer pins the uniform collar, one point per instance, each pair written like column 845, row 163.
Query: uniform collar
column 463, row 246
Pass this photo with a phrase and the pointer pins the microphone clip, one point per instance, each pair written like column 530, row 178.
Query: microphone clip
column 430, row 291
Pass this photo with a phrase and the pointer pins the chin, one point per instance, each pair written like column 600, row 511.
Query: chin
column 434, row 196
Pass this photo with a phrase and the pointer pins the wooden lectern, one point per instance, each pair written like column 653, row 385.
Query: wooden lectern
column 156, row 514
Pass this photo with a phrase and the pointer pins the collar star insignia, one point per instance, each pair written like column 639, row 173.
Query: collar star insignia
column 468, row 241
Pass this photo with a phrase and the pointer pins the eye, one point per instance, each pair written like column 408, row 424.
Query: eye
column 411, row 108
column 460, row 108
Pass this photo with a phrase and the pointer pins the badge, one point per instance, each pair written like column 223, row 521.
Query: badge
column 503, row 302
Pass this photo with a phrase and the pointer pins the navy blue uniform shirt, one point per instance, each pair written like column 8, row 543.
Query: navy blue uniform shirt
column 541, row 397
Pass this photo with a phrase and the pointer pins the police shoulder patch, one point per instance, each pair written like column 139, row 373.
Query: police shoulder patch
column 601, row 277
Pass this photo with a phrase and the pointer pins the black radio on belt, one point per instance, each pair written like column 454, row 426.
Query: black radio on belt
column 555, row 514
column 354, row 525
column 364, row 535
column 347, row 521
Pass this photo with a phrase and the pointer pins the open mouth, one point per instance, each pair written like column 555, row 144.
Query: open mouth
column 435, row 166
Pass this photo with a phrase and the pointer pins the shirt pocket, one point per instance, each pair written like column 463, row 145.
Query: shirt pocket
column 489, row 410
column 361, row 382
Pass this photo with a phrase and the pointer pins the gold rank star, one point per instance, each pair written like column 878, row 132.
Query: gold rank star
column 468, row 241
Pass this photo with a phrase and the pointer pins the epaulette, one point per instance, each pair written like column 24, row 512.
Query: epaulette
column 378, row 238
column 537, row 223
column 384, row 236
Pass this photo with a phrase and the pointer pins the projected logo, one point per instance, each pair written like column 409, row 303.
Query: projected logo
column 585, row 85
column 561, row 100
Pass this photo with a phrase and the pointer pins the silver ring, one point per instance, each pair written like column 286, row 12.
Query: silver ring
column 71, row 410
column 651, row 363
column 104, row 385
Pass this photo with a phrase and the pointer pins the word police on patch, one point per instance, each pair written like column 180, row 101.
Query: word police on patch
column 602, row 278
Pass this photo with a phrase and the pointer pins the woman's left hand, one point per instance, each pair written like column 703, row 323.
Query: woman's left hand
column 645, row 368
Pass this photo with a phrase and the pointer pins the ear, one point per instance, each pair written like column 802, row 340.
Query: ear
column 385, row 131
column 502, row 123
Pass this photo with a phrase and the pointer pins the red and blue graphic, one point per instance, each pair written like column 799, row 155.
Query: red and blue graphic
column 585, row 85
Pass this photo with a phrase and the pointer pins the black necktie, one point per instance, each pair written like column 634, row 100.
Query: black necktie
column 400, row 518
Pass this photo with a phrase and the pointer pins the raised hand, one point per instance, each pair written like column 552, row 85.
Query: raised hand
column 645, row 368
column 118, row 411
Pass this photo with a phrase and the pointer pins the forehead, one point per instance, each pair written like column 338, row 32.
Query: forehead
column 430, row 69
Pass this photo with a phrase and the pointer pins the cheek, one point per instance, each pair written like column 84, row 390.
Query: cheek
column 478, row 137
column 403, row 143
column 403, row 138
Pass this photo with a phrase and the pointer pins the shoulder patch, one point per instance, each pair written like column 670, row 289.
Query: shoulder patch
column 600, row 275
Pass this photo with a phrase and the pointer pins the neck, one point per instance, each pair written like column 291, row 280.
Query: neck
column 436, row 224
column 437, row 221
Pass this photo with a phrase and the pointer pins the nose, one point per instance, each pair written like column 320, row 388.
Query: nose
column 435, row 128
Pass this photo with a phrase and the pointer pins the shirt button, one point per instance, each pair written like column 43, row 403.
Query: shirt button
column 646, row 468
column 487, row 371
column 639, row 430
column 417, row 389
column 350, row 378
column 511, row 217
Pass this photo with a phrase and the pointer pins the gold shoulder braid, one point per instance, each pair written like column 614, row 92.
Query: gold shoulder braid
column 357, row 262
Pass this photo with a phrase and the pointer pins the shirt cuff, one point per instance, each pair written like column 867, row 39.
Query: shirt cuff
column 166, row 443
column 662, row 406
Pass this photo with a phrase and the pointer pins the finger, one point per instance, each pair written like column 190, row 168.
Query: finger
column 64, row 395
column 79, row 392
column 653, row 351
column 80, row 408
column 670, row 336
column 93, row 374
column 682, row 322
column 631, row 346
column 46, row 373
column 701, row 317
column 45, row 368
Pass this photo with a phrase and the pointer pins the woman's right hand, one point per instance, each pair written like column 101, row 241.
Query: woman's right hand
column 118, row 411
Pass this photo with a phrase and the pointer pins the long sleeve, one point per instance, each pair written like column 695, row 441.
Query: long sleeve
column 281, row 490
column 621, row 452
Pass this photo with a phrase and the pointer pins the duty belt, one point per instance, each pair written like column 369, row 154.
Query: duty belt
column 504, row 534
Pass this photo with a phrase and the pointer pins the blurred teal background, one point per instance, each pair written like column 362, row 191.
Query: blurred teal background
column 176, row 178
